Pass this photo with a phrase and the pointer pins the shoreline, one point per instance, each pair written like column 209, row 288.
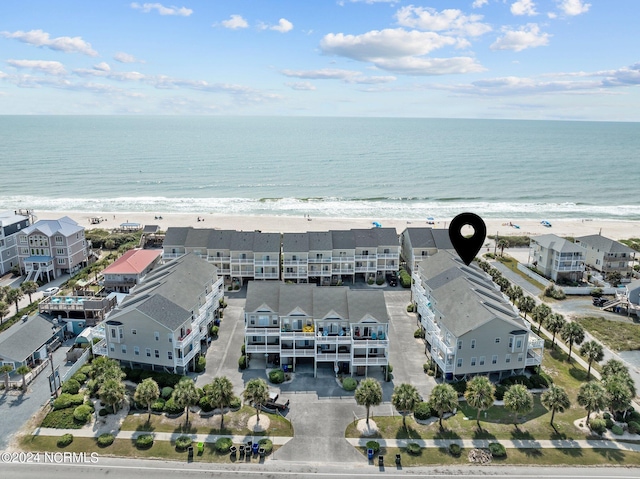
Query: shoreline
column 613, row 229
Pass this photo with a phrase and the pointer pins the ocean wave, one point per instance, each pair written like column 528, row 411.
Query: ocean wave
column 327, row 207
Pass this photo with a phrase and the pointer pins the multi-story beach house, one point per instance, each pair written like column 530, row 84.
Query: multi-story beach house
column 49, row 248
column 128, row 270
column 470, row 327
column 164, row 322
column 237, row 254
column 557, row 258
column 418, row 243
column 330, row 329
column 606, row 255
column 10, row 224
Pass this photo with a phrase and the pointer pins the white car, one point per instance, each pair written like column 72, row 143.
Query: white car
column 51, row 291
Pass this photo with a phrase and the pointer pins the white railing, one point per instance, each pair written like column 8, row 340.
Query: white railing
column 534, row 361
column 266, row 275
column 294, row 275
column 333, row 339
column 370, row 343
column 535, row 343
column 242, row 260
column 218, row 259
column 266, row 331
column 342, row 259
column 366, row 257
column 265, row 262
column 100, row 348
column 171, row 255
column 333, row 357
column 389, row 256
column 320, row 260
column 262, row 348
column 297, row 335
column 299, row 352
column 187, row 339
column 295, row 262
column 370, row 361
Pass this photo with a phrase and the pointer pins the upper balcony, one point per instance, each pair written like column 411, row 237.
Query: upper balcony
column 298, row 335
column 296, row 262
column 535, row 342
column 242, row 260
column 266, row 262
column 343, row 259
column 257, row 275
column 264, row 331
column 218, row 259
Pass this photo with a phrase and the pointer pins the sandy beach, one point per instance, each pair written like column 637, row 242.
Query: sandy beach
column 614, row 229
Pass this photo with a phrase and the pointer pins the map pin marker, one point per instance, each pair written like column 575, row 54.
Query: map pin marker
column 467, row 248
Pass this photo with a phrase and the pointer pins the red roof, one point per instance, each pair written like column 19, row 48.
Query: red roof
column 134, row 261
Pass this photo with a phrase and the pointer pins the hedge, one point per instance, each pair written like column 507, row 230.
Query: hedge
column 422, row 411
column 71, row 386
column 266, row 444
column 375, row 445
column 460, row 387
column 166, row 392
column 82, row 414
column 223, row 445
column 163, row 379
column 170, row 407
column 276, row 376
column 144, row 441
column 617, row 430
column 66, row 400
column 80, row 377
column 183, row 442
column 497, row 449
column 540, row 381
column 599, row 426
column 413, row 448
column 349, row 384
column 105, row 439
column 65, row 440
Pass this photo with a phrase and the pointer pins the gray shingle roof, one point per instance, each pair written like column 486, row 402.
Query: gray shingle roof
column 343, row 239
column 320, row 241
column 387, row 237
column 365, row 238
column 197, row 238
column 363, row 303
column 176, row 236
column 219, row 239
column 164, row 311
column 266, row 243
column 604, row 244
column 242, row 240
column 26, row 338
column 295, row 242
column 420, row 237
column 441, row 238
column 558, row 244
column 262, row 292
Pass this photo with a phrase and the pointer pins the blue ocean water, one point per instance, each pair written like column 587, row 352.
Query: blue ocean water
column 345, row 167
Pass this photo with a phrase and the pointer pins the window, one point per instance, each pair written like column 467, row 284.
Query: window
column 113, row 333
column 148, row 352
column 58, row 239
column 497, row 340
column 473, row 361
column 23, row 239
column 481, row 360
column 112, row 347
column 60, row 260
column 510, row 341
column 134, row 331
column 121, row 333
column 473, row 344
column 170, row 356
column 157, row 353
column 263, row 320
column 518, row 343
column 136, row 350
column 507, row 358
column 494, row 359
column 520, row 357
column 59, row 251
column 157, row 335
column 123, row 348
column 459, row 344
column 459, row 363
column 170, row 335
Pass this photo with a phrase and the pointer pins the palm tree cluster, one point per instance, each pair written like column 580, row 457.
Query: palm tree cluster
column 108, row 374
column 368, row 394
column 257, row 393
column 219, row 394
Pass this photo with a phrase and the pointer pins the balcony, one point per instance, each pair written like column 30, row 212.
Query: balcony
column 100, row 348
column 535, row 342
column 333, row 356
column 265, row 331
column 366, row 257
column 266, row 275
column 242, row 261
column 218, row 259
column 335, row 339
column 265, row 262
column 190, row 336
column 171, row 255
column 342, row 259
column 295, row 275
column 370, row 361
column 306, row 352
column 299, row 335
column 185, row 360
column 319, row 260
column 533, row 359
column 370, row 343
column 262, row 348
column 295, row 262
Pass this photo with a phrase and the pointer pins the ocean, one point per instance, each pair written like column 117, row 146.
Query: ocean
column 333, row 167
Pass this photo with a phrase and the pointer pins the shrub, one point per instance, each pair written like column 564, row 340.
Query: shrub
column 276, row 376
column 426, row 367
column 609, row 423
column 519, row 379
column 235, row 403
column 93, row 386
column 375, row 445
column 242, row 349
column 597, row 292
column 497, row 449
column 633, row 427
column 405, row 279
column 380, row 281
column 617, row 430
column 81, row 378
column 349, row 384
column 460, row 387
column 223, row 445
column 103, row 412
column 242, row 362
column 422, row 411
column 633, row 416
column 606, row 416
column 214, row 331
column 166, row 392
column 413, row 448
column 499, row 392
column 455, row 450
column 418, row 333
column 598, row 426
column 144, row 441
column 66, row 400
column 235, row 288
column 266, row 444
column 205, row 404
column 82, row 414
column 170, row 407
column 86, row 370
column 183, row 442
column 538, row 381
column 71, row 386
column 65, row 440
column 61, row 419
column 201, row 364
column 370, row 281
column 410, row 309
column 105, row 439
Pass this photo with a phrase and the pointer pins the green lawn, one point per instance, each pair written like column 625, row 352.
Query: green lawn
column 512, row 264
column 617, row 335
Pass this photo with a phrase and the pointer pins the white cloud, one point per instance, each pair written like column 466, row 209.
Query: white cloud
column 161, row 9
column 102, row 66
column 479, row 3
column 126, row 58
column 104, row 70
column 369, row 2
column 49, row 67
column 574, row 7
column 449, row 20
column 528, row 36
column 39, row 38
column 524, row 7
column 430, row 66
column 301, row 86
column 348, row 76
column 235, row 22
column 283, row 26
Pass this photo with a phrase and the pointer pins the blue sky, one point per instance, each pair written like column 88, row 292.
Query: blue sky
column 523, row 59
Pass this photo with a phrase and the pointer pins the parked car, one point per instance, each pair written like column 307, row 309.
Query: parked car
column 392, row 279
column 599, row 302
column 51, row 291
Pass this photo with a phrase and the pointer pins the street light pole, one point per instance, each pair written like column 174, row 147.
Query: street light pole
column 53, row 374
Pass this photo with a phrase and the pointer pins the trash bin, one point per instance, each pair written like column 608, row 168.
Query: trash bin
column 380, row 460
column 241, row 450
column 190, row 453
column 256, row 446
column 200, row 448
column 285, row 367
column 233, row 451
column 261, row 451
column 370, row 454
column 398, row 460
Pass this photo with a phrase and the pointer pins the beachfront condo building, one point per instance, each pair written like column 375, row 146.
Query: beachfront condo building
column 238, row 255
column 331, row 330
column 606, row 255
column 11, row 223
column 50, row 248
column 557, row 258
column 130, row 269
column 336, row 256
column 419, row 243
column 470, row 327
column 164, row 323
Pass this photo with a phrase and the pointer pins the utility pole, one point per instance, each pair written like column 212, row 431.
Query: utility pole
column 53, row 373
column 495, row 245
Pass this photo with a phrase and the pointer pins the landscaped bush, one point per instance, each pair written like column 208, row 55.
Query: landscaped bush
column 499, row 392
column 520, row 379
column 242, row 349
column 86, row 370
column 633, row 416
column 144, row 441
column 276, row 376
column 349, row 384
column 163, row 379
column 380, row 281
column 92, row 387
column 61, row 419
column 201, row 364
column 183, row 442
column 413, row 448
column 460, row 387
column 597, row 292
column 65, row 440
column 422, row 411
column 418, row 333
column 71, row 386
column 426, row 367
column 242, row 362
column 223, row 445
column 215, row 330
column 170, row 407
column 266, row 444
column 80, row 377
column 606, row 416
column 598, row 425
column 82, row 414
column 370, row 281
column 633, row 427
column 552, row 292
column 235, row 403
column 205, row 404
column 617, row 430
column 66, row 400
column 455, row 450
column 410, row 309
column 609, row 423
column 166, row 392
column 497, row 449
column 405, row 279
column 375, row 445
column 103, row 412
column 105, row 439
column 538, row 381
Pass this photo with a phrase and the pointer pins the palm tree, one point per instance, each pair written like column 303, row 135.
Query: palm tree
column 540, row 313
column 3, row 291
column 103, row 368
column 257, row 393
column 405, row 398
column 6, row 369
column 4, row 310
column 443, row 399
column 186, row 395
column 221, row 395
column 593, row 351
column 526, row 305
column 112, row 392
column 502, row 244
column 514, row 292
column 503, row 283
column 29, row 287
column 620, row 395
column 24, row 370
column 554, row 324
column 593, row 397
column 573, row 333
column 519, row 400
column 556, row 399
column 368, row 393
column 146, row 393
column 612, row 367
column 479, row 395
column 14, row 295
